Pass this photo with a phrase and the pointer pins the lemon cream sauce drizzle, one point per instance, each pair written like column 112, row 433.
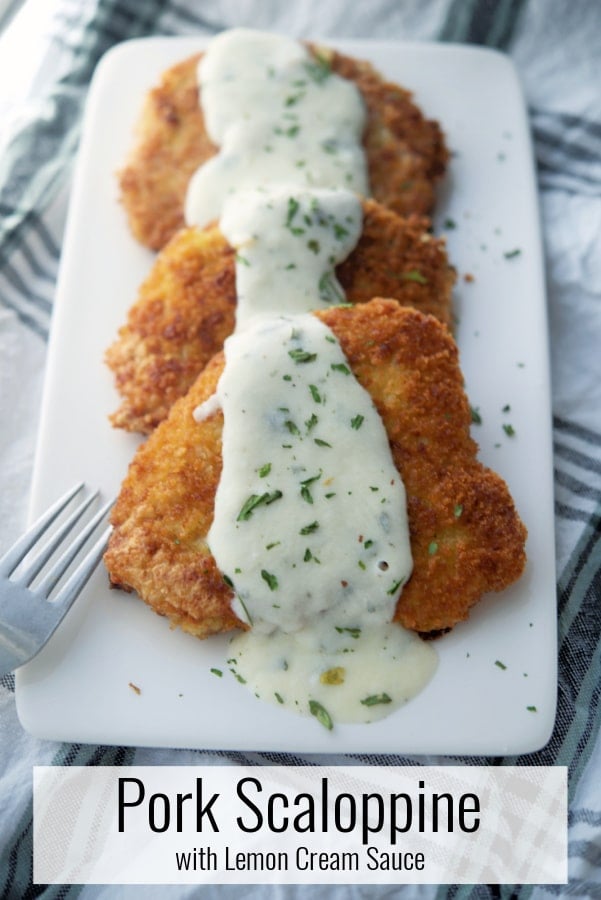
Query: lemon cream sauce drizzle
column 310, row 528
column 310, row 510
column 287, row 243
column 310, row 525
column 278, row 115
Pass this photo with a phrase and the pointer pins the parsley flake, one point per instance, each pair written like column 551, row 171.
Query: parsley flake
column 341, row 367
column 414, row 275
column 309, row 529
column 256, row 500
column 321, row 714
column 302, row 356
column 375, row 699
column 270, row 579
column 315, row 393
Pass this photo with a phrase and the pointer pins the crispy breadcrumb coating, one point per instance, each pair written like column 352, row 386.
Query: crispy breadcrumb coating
column 186, row 307
column 406, row 153
column 466, row 536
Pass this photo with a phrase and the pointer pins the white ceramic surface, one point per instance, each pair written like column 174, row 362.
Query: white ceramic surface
column 78, row 689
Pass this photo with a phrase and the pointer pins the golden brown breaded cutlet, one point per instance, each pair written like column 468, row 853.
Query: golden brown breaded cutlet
column 186, row 306
column 406, row 153
column 466, row 536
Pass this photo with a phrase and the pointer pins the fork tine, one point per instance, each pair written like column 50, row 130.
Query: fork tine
column 64, row 561
column 77, row 581
column 13, row 557
column 36, row 565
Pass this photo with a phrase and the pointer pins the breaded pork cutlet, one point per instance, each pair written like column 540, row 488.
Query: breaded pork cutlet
column 406, row 153
column 186, row 306
column 466, row 536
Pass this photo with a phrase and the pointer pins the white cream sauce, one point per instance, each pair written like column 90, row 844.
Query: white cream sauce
column 278, row 115
column 310, row 510
column 310, row 528
column 310, row 524
column 354, row 674
column 288, row 243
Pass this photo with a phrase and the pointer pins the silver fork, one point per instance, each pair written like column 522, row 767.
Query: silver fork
column 27, row 617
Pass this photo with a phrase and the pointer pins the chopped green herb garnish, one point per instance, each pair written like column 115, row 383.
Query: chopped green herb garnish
column 292, row 428
column 315, row 393
column 321, row 714
column 264, row 470
column 318, row 69
column 391, row 591
column 309, row 556
column 354, row 632
column 509, row 430
column 313, row 246
column 476, row 417
column 511, row 254
column 321, row 443
column 332, row 340
column 414, row 275
column 306, row 494
column 312, row 478
column 458, row 510
column 256, row 500
column 246, row 613
column 506, row 408
column 329, row 290
column 228, row 580
column 286, row 377
column 368, row 544
column 278, row 697
column 340, row 231
column 217, row 672
column 341, row 367
column 242, row 259
column 329, row 146
column 531, row 709
column 311, row 422
column 450, row 224
column 272, row 545
column 309, row 529
column 433, row 548
column 375, row 699
column 294, row 98
column 270, row 579
column 357, row 422
column 290, row 132
column 499, row 664
column 302, row 356
column 361, row 565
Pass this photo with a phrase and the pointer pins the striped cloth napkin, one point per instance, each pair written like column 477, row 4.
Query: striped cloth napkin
column 555, row 46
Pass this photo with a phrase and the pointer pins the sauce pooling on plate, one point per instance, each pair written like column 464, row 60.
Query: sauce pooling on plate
column 278, row 115
column 310, row 524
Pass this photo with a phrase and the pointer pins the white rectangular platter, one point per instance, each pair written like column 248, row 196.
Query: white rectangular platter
column 495, row 688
